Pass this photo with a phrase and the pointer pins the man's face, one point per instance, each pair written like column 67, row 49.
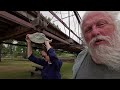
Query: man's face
column 44, row 54
column 103, row 39
column 97, row 24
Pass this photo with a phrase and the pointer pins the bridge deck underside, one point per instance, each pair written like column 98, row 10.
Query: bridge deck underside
column 14, row 25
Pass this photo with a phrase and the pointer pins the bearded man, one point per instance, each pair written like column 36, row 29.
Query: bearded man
column 101, row 58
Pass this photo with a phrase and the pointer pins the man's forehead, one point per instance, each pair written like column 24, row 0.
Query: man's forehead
column 95, row 13
column 95, row 16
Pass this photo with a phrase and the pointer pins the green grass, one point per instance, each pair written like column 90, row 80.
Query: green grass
column 66, row 70
column 14, row 69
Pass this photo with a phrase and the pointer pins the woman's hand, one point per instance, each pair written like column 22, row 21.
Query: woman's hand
column 48, row 41
column 28, row 39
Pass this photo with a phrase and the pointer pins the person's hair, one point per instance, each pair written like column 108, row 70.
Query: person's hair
column 112, row 14
column 44, row 48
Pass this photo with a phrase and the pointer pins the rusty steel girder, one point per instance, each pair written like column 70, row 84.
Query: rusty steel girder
column 54, row 37
column 15, row 19
column 22, row 27
column 37, row 22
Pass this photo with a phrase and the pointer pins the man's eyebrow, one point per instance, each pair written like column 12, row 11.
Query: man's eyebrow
column 88, row 23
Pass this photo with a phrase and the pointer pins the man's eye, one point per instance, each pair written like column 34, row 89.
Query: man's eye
column 101, row 24
column 88, row 29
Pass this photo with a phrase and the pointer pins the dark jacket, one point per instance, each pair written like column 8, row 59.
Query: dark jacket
column 49, row 71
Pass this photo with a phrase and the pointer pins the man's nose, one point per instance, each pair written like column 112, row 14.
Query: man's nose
column 95, row 31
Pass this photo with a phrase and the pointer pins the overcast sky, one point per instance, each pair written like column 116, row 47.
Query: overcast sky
column 73, row 22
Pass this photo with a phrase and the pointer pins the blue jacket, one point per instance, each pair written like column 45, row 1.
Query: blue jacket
column 49, row 71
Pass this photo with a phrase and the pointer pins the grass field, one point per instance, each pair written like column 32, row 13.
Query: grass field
column 14, row 69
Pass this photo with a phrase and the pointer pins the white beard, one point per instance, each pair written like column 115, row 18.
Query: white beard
column 108, row 55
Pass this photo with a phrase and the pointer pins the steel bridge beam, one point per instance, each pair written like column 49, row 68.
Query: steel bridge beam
column 63, row 23
column 15, row 19
column 54, row 37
